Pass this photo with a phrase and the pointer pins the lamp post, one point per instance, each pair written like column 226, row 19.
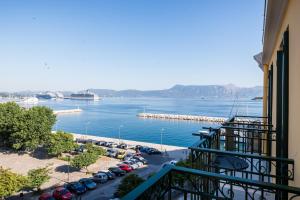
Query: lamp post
column 161, row 135
column 120, row 133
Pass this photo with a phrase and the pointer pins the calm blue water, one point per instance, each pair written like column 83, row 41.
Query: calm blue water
column 103, row 118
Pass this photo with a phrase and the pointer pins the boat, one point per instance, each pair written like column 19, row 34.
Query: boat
column 47, row 95
column 86, row 95
column 30, row 100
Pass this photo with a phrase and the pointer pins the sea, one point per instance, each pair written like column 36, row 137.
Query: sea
column 117, row 117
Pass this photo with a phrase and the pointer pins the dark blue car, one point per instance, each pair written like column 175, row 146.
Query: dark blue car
column 76, row 187
column 88, row 183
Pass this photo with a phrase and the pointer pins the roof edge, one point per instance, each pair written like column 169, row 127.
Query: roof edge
column 274, row 15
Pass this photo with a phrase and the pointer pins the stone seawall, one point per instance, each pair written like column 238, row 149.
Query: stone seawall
column 183, row 117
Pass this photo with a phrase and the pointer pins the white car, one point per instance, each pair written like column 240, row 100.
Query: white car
column 131, row 164
column 135, row 161
column 100, row 178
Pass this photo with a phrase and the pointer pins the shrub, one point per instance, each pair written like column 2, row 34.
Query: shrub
column 129, row 183
column 37, row 177
column 10, row 182
column 99, row 151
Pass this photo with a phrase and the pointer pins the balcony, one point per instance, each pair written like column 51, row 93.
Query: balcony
column 232, row 161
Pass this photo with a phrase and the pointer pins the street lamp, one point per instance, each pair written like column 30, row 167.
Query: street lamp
column 121, row 126
column 161, row 134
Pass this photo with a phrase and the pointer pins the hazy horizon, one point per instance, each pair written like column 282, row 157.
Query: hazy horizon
column 98, row 88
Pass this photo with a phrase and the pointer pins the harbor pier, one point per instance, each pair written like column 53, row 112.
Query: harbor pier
column 182, row 117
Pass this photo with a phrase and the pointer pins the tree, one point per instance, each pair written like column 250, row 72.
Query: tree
column 129, row 183
column 10, row 117
column 60, row 142
column 34, row 129
column 83, row 160
column 25, row 129
column 10, row 182
column 37, row 177
column 94, row 149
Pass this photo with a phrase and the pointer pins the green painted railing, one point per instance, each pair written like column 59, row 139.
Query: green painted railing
column 226, row 187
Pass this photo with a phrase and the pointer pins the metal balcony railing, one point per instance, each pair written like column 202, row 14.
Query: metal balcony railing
column 175, row 182
column 232, row 161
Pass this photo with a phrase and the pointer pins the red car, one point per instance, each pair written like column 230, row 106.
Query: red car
column 125, row 167
column 46, row 196
column 62, row 193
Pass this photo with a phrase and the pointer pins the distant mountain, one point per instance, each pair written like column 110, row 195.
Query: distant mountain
column 188, row 91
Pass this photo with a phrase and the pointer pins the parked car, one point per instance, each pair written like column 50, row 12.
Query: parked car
column 128, row 156
column 125, row 167
column 112, row 145
column 111, row 153
column 80, row 149
column 121, row 154
column 62, row 193
column 88, row 183
column 100, row 178
column 109, row 174
column 141, row 159
column 122, row 146
column 131, row 164
column 46, row 196
column 136, row 162
column 100, row 143
column 117, row 171
column 172, row 162
column 144, row 149
column 152, row 151
column 80, row 140
column 76, row 187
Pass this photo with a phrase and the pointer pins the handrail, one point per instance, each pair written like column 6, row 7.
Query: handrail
column 246, row 116
column 137, row 192
column 247, row 155
column 147, row 184
column 241, row 123
column 248, row 129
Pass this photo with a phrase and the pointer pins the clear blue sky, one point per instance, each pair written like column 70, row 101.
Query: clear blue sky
column 122, row 44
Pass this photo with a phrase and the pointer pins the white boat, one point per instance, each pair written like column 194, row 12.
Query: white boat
column 87, row 95
column 30, row 100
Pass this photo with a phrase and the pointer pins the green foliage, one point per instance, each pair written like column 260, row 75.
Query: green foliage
column 60, row 142
column 94, row 149
column 129, row 183
column 10, row 182
column 83, row 160
column 25, row 129
column 10, row 118
column 64, row 158
column 37, row 177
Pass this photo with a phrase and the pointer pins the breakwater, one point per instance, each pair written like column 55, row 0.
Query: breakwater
column 69, row 111
column 183, row 117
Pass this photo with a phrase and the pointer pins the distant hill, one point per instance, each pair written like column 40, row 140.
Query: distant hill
column 188, row 91
column 177, row 91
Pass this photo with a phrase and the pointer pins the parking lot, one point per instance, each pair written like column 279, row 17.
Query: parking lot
column 62, row 174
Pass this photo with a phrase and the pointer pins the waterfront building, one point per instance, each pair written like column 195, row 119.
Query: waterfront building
column 248, row 157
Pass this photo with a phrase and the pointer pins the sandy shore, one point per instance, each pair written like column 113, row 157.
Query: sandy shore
column 174, row 152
